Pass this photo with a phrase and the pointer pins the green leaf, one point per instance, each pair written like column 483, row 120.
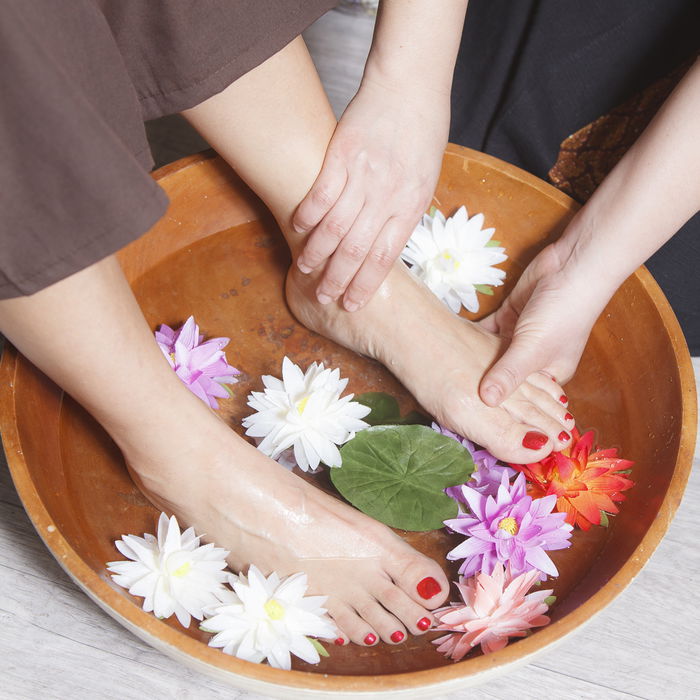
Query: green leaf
column 322, row 651
column 228, row 389
column 604, row 520
column 492, row 244
column 386, row 411
column 484, row 289
column 397, row 473
column 550, row 600
column 432, row 210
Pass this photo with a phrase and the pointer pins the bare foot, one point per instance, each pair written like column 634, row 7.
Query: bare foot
column 441, row 358
column 378, row 586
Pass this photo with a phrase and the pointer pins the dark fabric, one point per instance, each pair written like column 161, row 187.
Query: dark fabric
column 77, row 79
column 532, row 72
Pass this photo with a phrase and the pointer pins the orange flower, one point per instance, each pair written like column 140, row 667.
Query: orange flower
column 587, row 483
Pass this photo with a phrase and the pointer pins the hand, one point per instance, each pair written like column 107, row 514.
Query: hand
column 377, row 179
column 547, row 317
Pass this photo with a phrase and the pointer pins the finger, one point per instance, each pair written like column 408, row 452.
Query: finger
column 518, row 362
column 379, row 260
column 349, row 256
column 333, row 229
column 323, row 194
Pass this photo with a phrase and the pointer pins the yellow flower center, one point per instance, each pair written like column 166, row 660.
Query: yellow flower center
column 510, row 525
column 274, row 610
column 449, row 257
column 172, row 356
column 182, row 570
column 301, row 404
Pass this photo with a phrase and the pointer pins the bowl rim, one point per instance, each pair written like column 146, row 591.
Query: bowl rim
column 263, row 678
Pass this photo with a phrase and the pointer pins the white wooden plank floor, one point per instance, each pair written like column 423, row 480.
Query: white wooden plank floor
column 55, row 643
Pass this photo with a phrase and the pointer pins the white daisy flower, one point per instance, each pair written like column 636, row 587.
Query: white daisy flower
column 304, row 412
column 266, row 618
column 171, row 572
column 454, row 258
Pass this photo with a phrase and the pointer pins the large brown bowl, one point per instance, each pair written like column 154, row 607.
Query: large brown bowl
column 217, row 254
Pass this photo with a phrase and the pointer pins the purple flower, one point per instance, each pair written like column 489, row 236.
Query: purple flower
column 202, row 367
column 509, row 528
column 488, row 473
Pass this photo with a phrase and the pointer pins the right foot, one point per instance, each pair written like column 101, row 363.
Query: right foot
column 378, row 587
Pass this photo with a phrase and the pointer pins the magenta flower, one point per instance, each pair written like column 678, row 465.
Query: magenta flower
column 495, row 607
column 488, row 473
column 510, row 528
column 201, row 366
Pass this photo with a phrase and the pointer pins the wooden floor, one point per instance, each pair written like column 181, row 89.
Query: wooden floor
column 55, row 643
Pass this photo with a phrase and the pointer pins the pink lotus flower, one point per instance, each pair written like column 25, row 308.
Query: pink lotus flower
column 495, row 607
column 488, row 473
column 201, row 366
column 510, row 528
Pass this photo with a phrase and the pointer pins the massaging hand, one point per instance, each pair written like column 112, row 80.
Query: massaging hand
column 378, row 177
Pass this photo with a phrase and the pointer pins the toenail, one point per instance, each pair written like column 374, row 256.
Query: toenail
column 563, row 398
column 397, row 636
column 324, row 299
column 370, row 639
column 339, row 642
column 563, row 436
column 423, row 624
column 534, row 440
column 428, row 587
column 568, row 416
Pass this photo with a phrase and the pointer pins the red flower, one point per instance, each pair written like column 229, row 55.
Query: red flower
column 587, row 484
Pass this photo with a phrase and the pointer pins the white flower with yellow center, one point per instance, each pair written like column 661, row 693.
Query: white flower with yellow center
column 265, row 618
column 454, row 257
column 171, row 572
column 304, row 412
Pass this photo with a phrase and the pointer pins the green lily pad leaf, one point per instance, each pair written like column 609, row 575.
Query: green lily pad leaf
column 604, row 520
column 492, row 244
column 550, row 600
column 386, row 411
column 484, row 289
column 432, row 210
column 322, row 651
column 397, row 473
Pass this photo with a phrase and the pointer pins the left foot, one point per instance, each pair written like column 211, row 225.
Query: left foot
column 440, row 358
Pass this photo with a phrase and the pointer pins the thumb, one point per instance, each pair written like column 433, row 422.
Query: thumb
column 516, row 364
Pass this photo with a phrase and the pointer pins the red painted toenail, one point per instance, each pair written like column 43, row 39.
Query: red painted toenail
column 339, row 642
column 568, row 416
column 370, row 639
column 428, row 587
column 397, row 636
column 423, row 623
column 563, row 398
column 534, row 440
column 563, row 436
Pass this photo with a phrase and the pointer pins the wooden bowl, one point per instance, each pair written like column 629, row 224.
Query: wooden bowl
column 217, row 254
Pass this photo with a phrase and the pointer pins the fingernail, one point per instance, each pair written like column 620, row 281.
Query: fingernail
column 299, row 228
column 423, row 624
column 304, row 268
column 339, row 642
column 492, row 394
column 351, row 306
column 534, row 440
column 397, row 636
column 563, row 436
column 324, row 299
column 568, row 416
column 370, row 639
column 428, row 587
column 563, row 398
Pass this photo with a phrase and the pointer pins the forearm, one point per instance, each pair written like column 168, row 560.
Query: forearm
column 647, row 197
column 415, row 44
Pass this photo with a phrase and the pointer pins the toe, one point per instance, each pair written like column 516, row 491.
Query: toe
column 550, row 406
column 414, row 616
column 388, row 627
column 422, row 580
column 549, row 385
column 351, row 625
column 529, row 413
